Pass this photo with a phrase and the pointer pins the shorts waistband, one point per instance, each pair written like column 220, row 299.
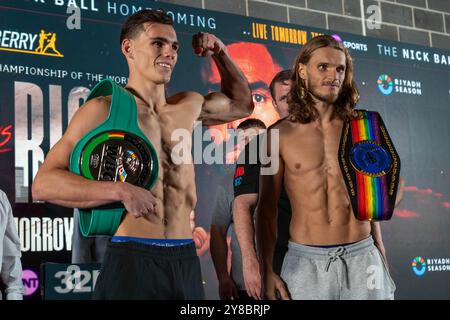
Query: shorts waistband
column 325, row 253
column 181, row 251
column 153, row 241
column 332, row 245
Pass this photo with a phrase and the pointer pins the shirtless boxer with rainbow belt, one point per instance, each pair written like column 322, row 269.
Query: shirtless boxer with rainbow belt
column 332, row 254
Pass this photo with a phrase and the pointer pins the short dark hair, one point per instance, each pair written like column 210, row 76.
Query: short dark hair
column 134, row 24
column 251, row 123
column 281, row 76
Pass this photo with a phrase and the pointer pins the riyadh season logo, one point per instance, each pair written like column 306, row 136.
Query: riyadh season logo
column 419, row 266
column 387, row 85
column 422, row 265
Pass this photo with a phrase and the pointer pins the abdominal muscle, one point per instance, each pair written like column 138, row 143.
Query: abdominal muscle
column 321, row 211
column 175, row 197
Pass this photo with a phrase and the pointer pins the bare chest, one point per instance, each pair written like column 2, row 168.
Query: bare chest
column 170, row 132
column 311, row 150
column 313, row 177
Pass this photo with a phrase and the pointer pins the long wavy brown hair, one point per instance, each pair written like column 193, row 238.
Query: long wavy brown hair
column 300, row 99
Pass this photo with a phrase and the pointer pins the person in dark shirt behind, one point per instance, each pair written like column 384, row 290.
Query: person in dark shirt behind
column 246, row 188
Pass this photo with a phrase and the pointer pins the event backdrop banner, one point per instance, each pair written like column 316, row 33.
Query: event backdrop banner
column 48, row 64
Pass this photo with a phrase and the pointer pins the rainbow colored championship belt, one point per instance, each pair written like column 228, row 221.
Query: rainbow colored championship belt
column 116, row 150
column 370, row 166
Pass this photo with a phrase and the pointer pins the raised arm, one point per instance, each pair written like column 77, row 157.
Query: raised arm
column 56, row 184
column 234, row 101
column 266, row 226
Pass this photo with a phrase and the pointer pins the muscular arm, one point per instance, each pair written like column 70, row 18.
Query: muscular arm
column 266, row 217
column 56, row 184
column 219, row 250
column 221, row 221
column 377, row 238
column 244, row 206
column 219, row 255
column 234, row 101
column 375, row 226
column 266, row 222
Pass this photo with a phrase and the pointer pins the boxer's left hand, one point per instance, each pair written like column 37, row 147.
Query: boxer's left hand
column 206, row 44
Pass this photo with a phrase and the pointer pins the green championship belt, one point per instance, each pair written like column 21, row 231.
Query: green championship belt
column 116, row 150
column 370, row 166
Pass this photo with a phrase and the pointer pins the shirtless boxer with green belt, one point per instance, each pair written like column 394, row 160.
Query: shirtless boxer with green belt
column 152, row 255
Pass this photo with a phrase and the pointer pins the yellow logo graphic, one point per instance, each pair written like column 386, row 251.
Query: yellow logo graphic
column 24, row 42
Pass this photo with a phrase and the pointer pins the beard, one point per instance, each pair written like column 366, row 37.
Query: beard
column 329, row 97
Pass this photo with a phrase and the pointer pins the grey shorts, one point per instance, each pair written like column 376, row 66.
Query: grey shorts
column 356, row 271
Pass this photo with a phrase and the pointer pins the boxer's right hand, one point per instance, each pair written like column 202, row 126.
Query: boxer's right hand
column 252, row 276
column 275, row 289
column 137, row 201
column 205, row 44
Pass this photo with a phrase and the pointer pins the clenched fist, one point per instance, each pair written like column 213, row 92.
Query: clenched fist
column 206, row 44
